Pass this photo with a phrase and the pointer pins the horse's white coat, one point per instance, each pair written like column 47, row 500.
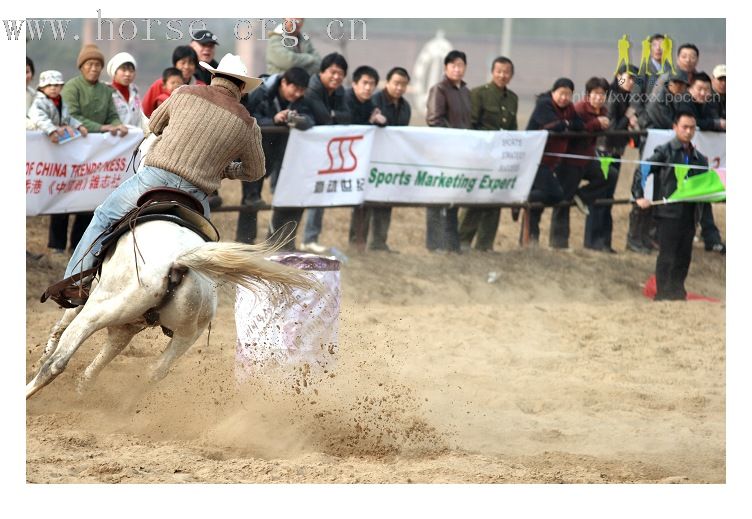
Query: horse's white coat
column 123, row 294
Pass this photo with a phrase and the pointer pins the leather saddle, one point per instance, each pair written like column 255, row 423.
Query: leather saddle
column 164, row 203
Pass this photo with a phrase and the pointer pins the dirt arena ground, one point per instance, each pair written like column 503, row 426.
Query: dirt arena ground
column 560, row 371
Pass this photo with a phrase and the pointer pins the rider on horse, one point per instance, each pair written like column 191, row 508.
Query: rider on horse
column 200, row 132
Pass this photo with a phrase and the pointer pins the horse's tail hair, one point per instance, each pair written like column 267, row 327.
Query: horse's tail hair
column 245, row 265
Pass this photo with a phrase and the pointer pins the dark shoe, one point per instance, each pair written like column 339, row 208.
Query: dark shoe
column 639, row 249
column 717, row 247
column 383, row 248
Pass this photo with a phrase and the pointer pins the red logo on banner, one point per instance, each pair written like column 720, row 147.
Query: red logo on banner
column 340, row 163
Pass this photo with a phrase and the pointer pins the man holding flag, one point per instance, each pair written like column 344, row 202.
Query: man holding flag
column 672, row 166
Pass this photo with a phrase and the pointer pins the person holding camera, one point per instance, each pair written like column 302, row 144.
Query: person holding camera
column 278, row 101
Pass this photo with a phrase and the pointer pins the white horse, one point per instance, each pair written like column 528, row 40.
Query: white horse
column 177, row 278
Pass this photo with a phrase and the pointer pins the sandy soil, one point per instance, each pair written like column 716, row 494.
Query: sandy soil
column 560, row 371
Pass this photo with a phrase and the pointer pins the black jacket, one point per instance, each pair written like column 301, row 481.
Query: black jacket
column 643, row 87
column 664, row 178
column 265, row 102
column 617, row 105
column 396, row 115
column 203, row 74
column 359, row 112
column 548, row 116
column 706, row 114
column 661, row 109
column 327, row 109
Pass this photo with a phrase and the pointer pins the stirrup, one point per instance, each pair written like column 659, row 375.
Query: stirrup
column 72, row 291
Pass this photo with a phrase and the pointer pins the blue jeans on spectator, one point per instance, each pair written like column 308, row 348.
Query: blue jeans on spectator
column 313, row 224
column 122, row 200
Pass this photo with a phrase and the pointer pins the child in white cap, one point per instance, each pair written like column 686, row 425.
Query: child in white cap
column 48, row 112
column 122, row 70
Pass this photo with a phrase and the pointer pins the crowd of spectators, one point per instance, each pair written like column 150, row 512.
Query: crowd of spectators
column 301, row 90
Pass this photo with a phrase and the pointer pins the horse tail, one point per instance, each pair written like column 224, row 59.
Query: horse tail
column 245, row 265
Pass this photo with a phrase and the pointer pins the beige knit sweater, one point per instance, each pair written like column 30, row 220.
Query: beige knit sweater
column 201, row 130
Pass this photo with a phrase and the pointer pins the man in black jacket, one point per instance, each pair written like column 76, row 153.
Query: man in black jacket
column 698, row 101
column 676, row 221
column 359, row 100
column 326, row 97
column 278, row 101
column 392, row 104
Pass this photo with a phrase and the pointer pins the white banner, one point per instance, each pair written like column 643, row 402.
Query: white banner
column 76, row 176
column 443, row 165
column 325, row 166
column 347, row 165
column 710, row 144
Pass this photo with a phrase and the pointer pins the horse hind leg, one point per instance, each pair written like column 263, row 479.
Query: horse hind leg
column 118, row 338
column 178, row 345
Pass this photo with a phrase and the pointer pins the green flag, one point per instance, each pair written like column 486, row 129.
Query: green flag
column 680, row 171
column 705, row 187
column 605, row 165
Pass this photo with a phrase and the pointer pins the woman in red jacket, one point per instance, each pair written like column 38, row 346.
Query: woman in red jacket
column 594, row 114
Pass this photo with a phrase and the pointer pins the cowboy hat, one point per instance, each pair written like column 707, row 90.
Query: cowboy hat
column 230, row 65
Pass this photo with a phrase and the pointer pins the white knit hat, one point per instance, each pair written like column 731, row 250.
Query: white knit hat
column 50, row 77
column 231, row 65
column 117, row 61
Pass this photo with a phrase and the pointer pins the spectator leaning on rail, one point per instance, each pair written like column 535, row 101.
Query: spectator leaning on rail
column 122, row 70
column 89, row 101
column 676, row 221
column 687, row 58
column 553, row 112
column 326, row 97
column 182, row 156
column 494, row 107
column 204, row 43
column 278, row 101
column 393, row 105
column 697, row 100
column 621, row 116
column 594, row 114
column 659, row 112
column 359, row 100
column 287, row 48
column 448, row 106
column 49, row 113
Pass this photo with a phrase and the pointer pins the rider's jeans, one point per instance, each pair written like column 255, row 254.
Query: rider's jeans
column 122, row 200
